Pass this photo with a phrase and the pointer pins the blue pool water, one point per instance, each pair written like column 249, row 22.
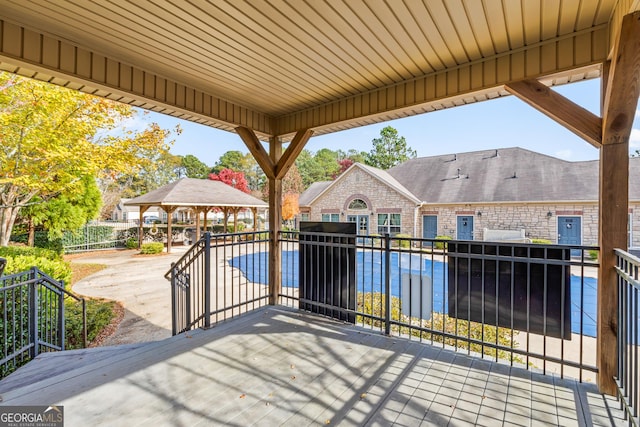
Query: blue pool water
column 370, row 278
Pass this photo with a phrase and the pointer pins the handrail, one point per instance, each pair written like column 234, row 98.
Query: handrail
column 628, row 372
column 27, row 297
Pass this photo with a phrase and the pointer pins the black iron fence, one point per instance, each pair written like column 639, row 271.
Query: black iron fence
column 33, row 317
column 527, row 304
column 628, row 377
column 220, row 277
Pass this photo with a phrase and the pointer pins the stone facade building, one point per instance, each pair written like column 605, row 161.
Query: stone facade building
column 461, row 195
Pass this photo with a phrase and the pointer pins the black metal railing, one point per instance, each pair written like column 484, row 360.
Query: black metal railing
column 207, row 286
column 33, row 317
column 628, row 376
column 528, row 304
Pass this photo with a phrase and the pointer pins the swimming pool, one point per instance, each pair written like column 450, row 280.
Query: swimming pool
column 371, row 271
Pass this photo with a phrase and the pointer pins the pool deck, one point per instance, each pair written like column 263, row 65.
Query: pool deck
column 278, row 366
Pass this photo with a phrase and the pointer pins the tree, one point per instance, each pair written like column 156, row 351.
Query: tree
column 290, row 207
column 232, row 178
column 321, row 166
column 155, row 168
column 67, row 211
column 53, row 137
column 245, row 163
column 291, row 183
column 389, row 150
column 194, row 168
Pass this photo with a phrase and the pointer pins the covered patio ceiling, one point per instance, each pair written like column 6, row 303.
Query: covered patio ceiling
column 280, row 66
column 281, row 70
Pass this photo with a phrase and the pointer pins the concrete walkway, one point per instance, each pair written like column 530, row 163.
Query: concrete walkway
column 136, row 281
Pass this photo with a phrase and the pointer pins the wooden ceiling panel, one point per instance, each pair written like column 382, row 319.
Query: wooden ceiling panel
column 332, row 63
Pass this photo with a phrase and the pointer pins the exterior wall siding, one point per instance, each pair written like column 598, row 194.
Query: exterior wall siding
column 380, row 196
column 533, row 218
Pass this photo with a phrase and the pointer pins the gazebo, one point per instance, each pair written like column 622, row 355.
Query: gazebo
column 201, row 195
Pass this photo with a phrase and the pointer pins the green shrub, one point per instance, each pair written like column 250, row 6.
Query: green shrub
column 23, row 258
column 13, row 251
column 401, row 240
column 593, row 254
column 152, row 248
column 131, row 243
column 99, row 315
column 541, row 241
column 441, row 244
column 219, row 228
column 374, row 303
column 41, row 240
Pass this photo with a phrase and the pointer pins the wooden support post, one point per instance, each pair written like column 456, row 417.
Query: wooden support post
column 254, row 211
column 143, row 209
column 620, row 100
column 198, row 210
column 235, row 219
column 275, row 222
column 169, row 210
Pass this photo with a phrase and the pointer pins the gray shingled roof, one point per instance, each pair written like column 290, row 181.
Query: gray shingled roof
column 312, row 192
column 197, row 192
column 504, row 175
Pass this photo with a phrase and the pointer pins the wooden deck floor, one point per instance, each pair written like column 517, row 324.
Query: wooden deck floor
column 276, row 366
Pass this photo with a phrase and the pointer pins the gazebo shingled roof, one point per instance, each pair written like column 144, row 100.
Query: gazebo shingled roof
column 200, row 194
column 190, row 192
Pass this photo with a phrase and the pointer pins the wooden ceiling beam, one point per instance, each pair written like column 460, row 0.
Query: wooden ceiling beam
column 577, row 119
column 292, row 152
column 257, row 150
column 623, row 85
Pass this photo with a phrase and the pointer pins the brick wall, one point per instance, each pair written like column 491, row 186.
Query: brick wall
column 380, row 198
column 533, row 217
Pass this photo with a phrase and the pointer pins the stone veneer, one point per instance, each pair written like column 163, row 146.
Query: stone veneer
column 533, row 217
column 380, row 198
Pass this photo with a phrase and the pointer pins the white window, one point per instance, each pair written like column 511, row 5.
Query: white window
column 389, row 223
column 304, row 217
column 331, row 217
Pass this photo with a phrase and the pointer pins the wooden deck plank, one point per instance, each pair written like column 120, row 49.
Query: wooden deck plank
column 277, row 366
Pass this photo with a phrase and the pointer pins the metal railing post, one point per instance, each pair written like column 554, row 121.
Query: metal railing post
column 84, row 323
column 33, row 314
column 207, row 279
column 174, row 308
column 61, row 331
column 387, row 284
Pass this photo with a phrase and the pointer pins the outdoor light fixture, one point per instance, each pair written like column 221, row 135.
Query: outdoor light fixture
column 479, row 213
column 549, row 214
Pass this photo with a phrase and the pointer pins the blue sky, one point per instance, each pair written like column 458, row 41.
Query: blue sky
column 498, row 123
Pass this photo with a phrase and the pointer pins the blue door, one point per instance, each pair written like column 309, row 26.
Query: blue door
column 429, row 226
column 465, row 228
column 569, row 230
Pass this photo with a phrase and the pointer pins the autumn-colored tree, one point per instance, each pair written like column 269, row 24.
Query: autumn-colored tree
column 344, row 165
column 232, row 178
column 290, row 206
column 52, row 138
column 245, row 163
